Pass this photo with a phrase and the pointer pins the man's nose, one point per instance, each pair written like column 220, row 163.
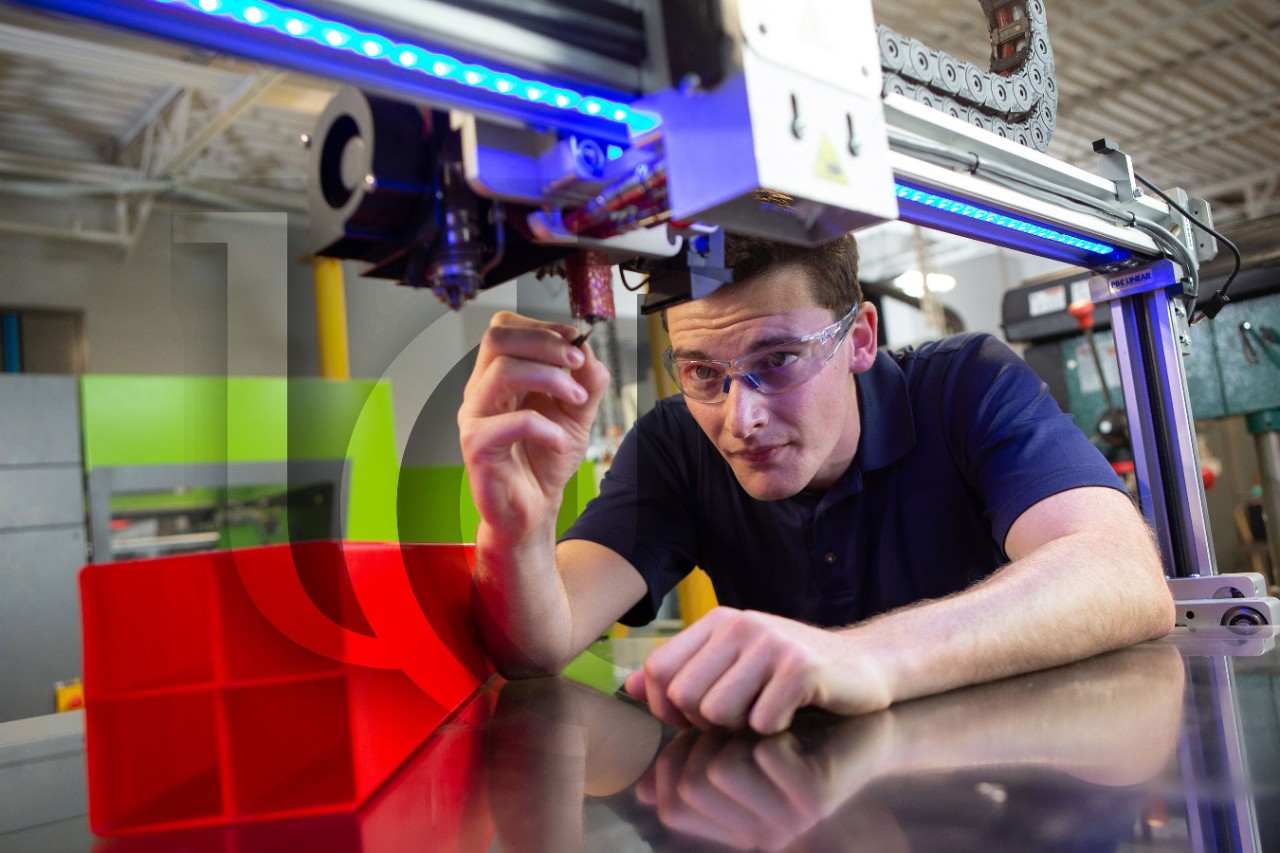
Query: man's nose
column 745, row 407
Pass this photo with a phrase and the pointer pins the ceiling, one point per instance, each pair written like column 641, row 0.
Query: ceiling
column 98, row 123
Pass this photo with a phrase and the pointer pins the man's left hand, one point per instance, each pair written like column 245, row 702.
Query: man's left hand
column 741, row 668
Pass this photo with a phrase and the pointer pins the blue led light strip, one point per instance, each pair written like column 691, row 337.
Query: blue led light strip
column 379, row 49
column 978, row 214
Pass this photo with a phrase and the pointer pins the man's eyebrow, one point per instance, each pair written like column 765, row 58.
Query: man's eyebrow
column 690, row 353
column 775, row 341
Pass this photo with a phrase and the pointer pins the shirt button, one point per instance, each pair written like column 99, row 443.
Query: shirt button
column 829, row 558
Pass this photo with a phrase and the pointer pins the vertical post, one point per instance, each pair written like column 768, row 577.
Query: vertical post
column 1221, row 809
column 331, row 319
column 11, row 341
column 696, row 595
column 1151, row 333
column 1265, row 427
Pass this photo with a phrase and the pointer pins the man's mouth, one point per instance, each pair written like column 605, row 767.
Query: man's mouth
column 759, row 455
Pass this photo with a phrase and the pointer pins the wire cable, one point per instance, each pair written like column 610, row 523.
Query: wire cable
column 623, row 276
column 1220, row 298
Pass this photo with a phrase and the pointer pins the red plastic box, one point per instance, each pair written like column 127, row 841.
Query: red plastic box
column 268, row 682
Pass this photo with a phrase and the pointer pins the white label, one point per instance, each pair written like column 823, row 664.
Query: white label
column 1080, row 291
column 1047, row 301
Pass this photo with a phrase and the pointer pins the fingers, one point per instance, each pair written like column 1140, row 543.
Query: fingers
column 525, row 338
column 634, row 685
column 519, row 357
column 649, row 684
column 781, row 697
column 709, row 675
column 489, row 439
column 736, row 669
column 708, row 785
column 513, row 376
column 687, row 803
column 703, row 675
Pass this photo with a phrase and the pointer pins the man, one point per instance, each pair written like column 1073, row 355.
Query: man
column 884, row 526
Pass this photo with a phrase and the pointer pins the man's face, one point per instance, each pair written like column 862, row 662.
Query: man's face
column 803, row 437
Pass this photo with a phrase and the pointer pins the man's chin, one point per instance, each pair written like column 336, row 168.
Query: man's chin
column 769, row 486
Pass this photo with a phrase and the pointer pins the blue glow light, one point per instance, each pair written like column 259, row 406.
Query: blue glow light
column 991, row 224
column 372, row 47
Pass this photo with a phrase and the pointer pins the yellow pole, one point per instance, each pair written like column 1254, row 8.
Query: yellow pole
column 695, row 593
column 331, row 319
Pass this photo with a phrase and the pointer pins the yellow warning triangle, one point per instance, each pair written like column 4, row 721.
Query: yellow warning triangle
column 827, row 166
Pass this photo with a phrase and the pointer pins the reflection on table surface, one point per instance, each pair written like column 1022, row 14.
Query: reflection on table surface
column 1167, row 746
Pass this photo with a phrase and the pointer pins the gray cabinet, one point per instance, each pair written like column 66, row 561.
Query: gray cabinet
column 42, row 540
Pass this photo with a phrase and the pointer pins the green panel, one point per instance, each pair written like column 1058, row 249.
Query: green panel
column 327, row 413
column 1249, row 387
column 429, row 506
column 578, row 492
column 1204, row 380
column 436, row 506
column 594, row 668
column 1220, row 380
column 149, row 420
column 173, row 420
column 1260, row 422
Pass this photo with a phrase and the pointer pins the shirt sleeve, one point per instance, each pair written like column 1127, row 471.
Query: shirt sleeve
column 1015, row 446
column 644, row 511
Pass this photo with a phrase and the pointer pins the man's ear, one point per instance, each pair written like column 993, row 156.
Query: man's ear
column 863, row 337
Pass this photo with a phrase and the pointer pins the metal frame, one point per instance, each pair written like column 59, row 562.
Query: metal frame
column 1212, row 751
column 1148, row 325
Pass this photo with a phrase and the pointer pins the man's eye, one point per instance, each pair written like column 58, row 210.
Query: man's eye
column 774, row 360
column 702, row 372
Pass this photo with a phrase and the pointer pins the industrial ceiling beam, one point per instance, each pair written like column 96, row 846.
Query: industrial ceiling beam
column 47, row 168
column 111, row 62
column 230, row 109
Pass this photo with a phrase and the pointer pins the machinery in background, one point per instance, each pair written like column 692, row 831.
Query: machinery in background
column 456, row 202
column 1233, row 370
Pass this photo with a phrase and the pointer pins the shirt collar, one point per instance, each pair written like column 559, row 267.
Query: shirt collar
column 888, row 429
column 888, row 426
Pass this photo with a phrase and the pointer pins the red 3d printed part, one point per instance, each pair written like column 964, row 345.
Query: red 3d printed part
column 269, row 682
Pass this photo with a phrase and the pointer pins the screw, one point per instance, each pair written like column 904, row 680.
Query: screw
column 1185, row 340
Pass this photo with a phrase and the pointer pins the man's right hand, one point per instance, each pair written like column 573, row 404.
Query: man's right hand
column 525, row 422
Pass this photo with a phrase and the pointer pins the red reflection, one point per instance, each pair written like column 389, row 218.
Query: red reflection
column 268, row 682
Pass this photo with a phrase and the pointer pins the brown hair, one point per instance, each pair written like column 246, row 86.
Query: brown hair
column 832, row 267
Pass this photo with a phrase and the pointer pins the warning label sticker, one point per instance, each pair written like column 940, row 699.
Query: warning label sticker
column 827, row 166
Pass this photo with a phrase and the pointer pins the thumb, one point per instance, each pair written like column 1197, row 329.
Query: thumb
column 634, row 685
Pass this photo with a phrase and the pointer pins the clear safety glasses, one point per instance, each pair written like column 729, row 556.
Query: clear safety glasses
column 769, row 370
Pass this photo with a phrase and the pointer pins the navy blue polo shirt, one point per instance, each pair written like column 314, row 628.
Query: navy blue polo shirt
column 959, row 438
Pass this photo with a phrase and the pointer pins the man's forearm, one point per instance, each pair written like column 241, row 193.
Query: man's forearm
column 1071, row 598
column 521, row 606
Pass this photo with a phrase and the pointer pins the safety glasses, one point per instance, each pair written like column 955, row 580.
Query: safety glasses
column 769, row 370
